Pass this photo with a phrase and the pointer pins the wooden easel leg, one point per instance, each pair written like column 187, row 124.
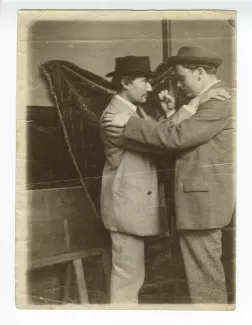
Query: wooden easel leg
column 81, row 283
column 68, row 279
column 107, row 265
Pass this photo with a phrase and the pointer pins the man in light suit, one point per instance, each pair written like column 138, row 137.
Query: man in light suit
column 129, row 194
column 204, row 178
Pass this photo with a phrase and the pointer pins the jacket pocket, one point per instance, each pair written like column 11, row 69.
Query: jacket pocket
column 196, row 185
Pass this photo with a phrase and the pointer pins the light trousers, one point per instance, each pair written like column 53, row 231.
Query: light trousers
column 128, row 268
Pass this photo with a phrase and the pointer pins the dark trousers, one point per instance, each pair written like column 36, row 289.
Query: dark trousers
column 201, row 251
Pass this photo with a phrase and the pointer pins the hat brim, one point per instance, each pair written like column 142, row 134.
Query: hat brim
column 192, row 59
column 126, row 73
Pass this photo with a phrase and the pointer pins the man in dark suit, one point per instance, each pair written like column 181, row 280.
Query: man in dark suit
column 204, row 177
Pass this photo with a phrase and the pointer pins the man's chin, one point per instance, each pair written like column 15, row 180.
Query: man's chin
column 185, row 93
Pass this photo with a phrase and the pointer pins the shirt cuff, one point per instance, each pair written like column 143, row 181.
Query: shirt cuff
column 170, row 113
column 190, row 109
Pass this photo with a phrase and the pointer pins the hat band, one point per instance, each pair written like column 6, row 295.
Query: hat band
column 129, row 71
column 195, row 59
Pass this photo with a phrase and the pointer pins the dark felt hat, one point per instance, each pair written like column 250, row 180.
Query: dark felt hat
column 132, row 64
column 195, row 55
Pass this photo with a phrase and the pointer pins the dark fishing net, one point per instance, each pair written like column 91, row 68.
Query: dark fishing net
column 80, row 98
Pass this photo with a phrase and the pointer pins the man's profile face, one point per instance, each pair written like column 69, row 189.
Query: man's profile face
column 138, row 89
column 188, row 80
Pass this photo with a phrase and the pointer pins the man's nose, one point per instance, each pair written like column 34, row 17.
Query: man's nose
column 148, row 86
column 179, row 83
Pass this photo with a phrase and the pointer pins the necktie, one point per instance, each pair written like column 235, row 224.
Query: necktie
column 139, row 112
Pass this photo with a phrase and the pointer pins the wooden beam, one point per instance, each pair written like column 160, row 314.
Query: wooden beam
column 169, row 38
column 66, row 257
column 166, row 39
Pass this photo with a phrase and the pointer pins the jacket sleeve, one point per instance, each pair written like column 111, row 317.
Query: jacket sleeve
column 131, row 145
column 179, row 116
column 210, row 119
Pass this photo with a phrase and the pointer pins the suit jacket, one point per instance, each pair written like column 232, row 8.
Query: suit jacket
column 205, row 161
column 166, row 168
column 129, row 193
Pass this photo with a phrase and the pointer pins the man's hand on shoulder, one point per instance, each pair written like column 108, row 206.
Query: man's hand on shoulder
column 117, row 120
column 114, row 124
column 213, row 93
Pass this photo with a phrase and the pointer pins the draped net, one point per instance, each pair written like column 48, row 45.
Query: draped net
column 80, row 97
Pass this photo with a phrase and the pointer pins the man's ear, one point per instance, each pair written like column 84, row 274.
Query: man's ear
column 201, row 72
column 124, row 83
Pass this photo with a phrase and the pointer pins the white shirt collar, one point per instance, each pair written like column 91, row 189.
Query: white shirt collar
column 132, row 106
column 208, row 86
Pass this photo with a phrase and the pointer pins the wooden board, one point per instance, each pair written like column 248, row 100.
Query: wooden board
column 61, row 221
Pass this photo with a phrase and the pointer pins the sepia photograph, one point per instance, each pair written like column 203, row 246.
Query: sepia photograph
column 126, row 160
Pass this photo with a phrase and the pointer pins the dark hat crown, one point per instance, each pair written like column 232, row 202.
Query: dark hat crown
column 194, row 54
column 186, row 51
column 132, row 64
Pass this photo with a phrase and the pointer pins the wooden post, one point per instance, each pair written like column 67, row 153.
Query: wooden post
column 81, row 283
column 107, row 266
column 166, row 39
column 169, row 39
column 68, row 280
